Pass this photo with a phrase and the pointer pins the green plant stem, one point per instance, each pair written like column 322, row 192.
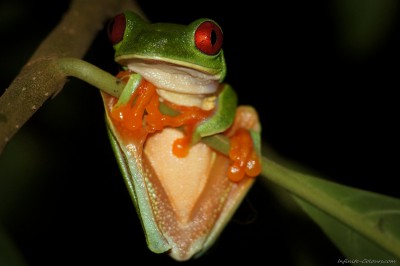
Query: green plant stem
column 299, row 185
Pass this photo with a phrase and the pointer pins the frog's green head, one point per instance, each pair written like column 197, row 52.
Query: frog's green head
column 179, row 58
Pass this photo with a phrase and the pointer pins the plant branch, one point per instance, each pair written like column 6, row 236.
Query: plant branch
column 41, row 78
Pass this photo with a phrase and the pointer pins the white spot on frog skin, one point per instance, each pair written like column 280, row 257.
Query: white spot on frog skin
column 33, row 78
column 33, row 107
column 46, row 94
column 131, row 149
column 16, row 126
column 23, row 88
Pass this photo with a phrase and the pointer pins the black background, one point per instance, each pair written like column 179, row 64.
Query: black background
column 322, row 104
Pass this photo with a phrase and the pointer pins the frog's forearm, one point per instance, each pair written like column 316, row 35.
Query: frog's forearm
column 91, row 74
column 222, row 118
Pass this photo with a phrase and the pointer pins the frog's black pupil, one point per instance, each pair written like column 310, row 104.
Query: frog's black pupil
column 213, row 37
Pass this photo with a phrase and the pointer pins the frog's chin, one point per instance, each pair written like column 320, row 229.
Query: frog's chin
column 178, row 84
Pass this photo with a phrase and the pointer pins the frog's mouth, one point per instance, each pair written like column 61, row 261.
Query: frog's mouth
column 176, row 83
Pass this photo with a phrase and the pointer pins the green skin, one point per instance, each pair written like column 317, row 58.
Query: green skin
column 170, row 50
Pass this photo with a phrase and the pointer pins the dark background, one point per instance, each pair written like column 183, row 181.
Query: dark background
column 322, row 74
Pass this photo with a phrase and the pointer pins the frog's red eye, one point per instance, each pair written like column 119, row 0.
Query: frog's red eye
column 208, row 38
column 116, row 28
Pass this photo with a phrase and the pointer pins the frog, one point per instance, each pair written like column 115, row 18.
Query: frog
column 174, row 99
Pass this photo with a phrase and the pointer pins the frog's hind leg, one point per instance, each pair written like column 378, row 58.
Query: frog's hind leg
column 244, row 144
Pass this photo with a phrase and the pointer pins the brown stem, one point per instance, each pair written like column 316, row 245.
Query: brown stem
column 40, row 78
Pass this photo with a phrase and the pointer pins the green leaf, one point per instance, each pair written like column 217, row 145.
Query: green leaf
column 362, row 224
column 383, row 214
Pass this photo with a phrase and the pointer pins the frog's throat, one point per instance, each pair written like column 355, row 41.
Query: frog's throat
column 177, row 84
column 205, row 102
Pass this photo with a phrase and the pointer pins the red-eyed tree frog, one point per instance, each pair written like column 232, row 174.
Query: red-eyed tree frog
column 184, row 191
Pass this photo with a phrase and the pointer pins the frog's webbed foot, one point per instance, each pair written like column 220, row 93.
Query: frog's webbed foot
column 244, row 144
